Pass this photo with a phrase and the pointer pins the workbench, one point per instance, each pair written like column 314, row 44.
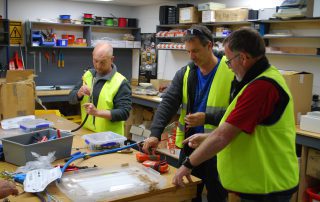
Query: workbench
column 307, row 140
column 62, row 95
column 168, row 193
column 53, row 95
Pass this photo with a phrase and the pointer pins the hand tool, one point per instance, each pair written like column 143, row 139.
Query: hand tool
column 23, row 67
column 39, row 61
column 53, row 57
column 46, row 55
column 62, row 60
column 59, row 59
column 160, row 166
column 141, row 157
column 34, row 61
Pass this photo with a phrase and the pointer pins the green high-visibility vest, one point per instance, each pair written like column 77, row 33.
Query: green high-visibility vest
column 105, row 102
column 218, row 97
column 265, row 161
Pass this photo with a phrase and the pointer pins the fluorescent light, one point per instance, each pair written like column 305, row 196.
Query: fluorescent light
column 103, row 0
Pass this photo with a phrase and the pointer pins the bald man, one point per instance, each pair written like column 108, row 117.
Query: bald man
column 104, row 94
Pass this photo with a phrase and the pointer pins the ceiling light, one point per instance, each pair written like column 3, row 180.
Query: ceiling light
column 104, row 0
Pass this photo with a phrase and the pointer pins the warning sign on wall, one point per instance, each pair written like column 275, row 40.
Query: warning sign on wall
column 16, row 34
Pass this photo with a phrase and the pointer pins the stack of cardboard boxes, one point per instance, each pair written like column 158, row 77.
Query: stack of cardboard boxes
column 138, row 123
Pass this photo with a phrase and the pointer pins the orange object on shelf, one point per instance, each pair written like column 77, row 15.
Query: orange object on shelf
column 71, row 38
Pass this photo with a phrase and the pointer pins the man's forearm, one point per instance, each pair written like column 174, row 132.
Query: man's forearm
column 104, row 114
column 214, row 143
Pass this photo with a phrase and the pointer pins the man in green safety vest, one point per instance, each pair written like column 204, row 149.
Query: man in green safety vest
column 255, row 140
column 104, row 94
column 201, row 90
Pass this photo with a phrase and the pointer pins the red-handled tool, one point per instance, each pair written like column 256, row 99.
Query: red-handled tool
column 141, row 157
column 58, row 133
column 160, row 166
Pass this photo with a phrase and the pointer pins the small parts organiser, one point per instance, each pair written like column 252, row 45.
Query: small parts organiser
column 104, row 140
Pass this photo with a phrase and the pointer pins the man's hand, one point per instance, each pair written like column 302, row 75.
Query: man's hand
column 151, row 142
column 84, row 90
column 196, row 119
column 90, row 109
column 7, row 188
column 181, row 172
column 195, row 140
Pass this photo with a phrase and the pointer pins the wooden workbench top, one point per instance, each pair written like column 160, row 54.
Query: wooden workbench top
column 52, row 92
column 307, row 133
column 169, row 192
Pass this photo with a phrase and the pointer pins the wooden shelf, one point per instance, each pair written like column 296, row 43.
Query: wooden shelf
column 171, row 49
column 176, row 25
column 304, row 37
column 81, row 25
column 225, row 23
column 69, row 47
column 288, row 21
column 173, row 37
column 292, row 54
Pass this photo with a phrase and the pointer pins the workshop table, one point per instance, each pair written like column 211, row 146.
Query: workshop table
column 168, row 193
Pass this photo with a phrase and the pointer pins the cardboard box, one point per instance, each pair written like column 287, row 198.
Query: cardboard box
column 147, row 115
column 157, row 83
column 300, row 85
column 139, row 133
column 310, row 122
column 189, row 15
column 208, row 16
column 313, row 163
column 231, row 14
column 210, row 6
column 300, row 50
column 17, row 94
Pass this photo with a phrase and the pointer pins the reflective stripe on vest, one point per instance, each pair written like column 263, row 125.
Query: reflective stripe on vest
column 218, row 97
column 265, row 161
column 105, row 102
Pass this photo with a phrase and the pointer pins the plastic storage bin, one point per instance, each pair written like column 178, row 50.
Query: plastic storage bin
column 17, row 150
column 62, row 42
column 97, row 141
column 314, row 194
column 34, row 124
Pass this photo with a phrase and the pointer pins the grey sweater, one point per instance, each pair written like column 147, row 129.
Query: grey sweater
column 122, row 100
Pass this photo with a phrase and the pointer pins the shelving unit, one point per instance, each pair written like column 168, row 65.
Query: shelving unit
column 76, row 58
column 4, row 46
column 88, row 32
column 4, row 32
column 303, row 33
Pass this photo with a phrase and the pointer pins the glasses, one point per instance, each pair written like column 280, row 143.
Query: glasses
column 228, row 62
column 198, row 32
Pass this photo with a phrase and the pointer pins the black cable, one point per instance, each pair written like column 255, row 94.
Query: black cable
column 81, row 125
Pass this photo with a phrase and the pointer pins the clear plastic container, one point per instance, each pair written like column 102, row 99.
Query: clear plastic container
column 104, row 140
column 34, row 124
column 110, row 184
